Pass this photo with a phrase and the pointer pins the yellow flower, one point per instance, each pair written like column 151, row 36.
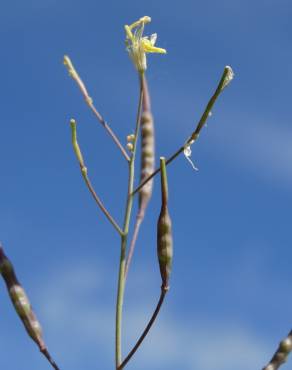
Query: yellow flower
column 138, row 46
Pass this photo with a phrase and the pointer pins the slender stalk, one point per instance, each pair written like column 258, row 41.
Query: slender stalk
column 83, row 170
column 146, row 330
column 74, row 74
column 227, row 76
column 49, row 358
column 281, row 355
column 124, row 238
column 120, row 299
column 139, row 220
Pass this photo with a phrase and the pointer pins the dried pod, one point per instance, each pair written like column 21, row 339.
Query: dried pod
column 22, row 305
column 164, row 232
column 147, row 147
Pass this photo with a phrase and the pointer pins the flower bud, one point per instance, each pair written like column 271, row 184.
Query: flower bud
column 130, row 147
column 130, row 138
column 228, row 77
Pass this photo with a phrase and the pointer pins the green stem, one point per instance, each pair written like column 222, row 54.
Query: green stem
column 83, row 170
column 124, row 238
column 120, row 299
column 74, row 74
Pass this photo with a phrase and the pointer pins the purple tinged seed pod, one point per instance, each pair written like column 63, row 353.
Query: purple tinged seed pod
column 20, row 301
column 164, row 232
column 147, row 164
column 147, row 147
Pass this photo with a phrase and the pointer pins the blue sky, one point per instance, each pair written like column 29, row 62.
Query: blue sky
column 229, row 302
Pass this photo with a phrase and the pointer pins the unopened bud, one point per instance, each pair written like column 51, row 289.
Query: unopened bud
column 130, row 147
column 228, row 76
column 131, row 138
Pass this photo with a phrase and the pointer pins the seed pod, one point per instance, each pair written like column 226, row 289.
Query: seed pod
column 147, row 165
column 147, row 147
column 22, row 305
column 20, row 301
column 282, row 353
column 164, row 232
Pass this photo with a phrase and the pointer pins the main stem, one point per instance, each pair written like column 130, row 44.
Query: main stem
column 121, row 283
column 124, row 238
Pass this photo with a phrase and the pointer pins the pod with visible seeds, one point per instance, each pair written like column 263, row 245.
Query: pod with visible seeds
column 147, row 147
column 164, row 232
column 147, row 165
column 282, row 353
column 22, row 305
column 20, row 301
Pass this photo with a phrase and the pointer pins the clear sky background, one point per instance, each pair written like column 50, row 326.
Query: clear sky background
column 230, row 299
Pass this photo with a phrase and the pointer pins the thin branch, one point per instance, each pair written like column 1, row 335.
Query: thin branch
column 281, row 355
column 74, row 74
column 146, row 330
column 226, row 78
column 83, row 169
column 169, row 160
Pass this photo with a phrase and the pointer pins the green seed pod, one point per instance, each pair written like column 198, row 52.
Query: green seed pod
column 282, row 353
column 164, row 232
column 147, row 147
column 20, row 301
